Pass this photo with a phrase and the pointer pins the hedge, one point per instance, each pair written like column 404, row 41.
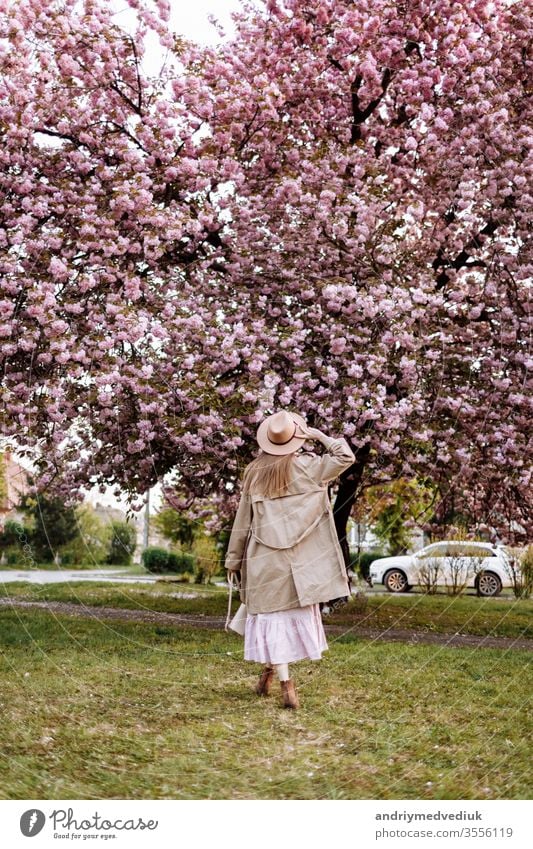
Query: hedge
column 159, row 560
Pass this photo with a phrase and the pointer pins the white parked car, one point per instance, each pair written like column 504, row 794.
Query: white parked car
column 449, row 564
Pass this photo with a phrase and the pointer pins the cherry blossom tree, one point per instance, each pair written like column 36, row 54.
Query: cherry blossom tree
column 327, row 212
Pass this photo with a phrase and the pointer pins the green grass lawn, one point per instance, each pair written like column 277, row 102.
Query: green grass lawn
column 119, row 710
column 438, row 614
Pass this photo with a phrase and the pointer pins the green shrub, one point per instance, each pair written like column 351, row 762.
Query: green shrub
column 155, row 559
column 66, row 558
column 53, row 525
column 221, row 544
column 520, row 570
column 177, row 528
column 526, row 566
column 360, row 563
column 14, row 557
column 12, row 539
column 12, row 534
column 207, row 558
column 181, row 562
column 159, row 560
column 92, row 544
column 122, row 544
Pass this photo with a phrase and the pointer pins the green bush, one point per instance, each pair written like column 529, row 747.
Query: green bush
column 53, row 525
column 360, row 563
column 181, row 562
column 14, row 557
column 177, row 528
column 520, row 570
column 155, row 559
column 12, row 534
column 122, row 544
column 66, row 558
column 92, row 544
column 526, row 567
column 12, row 539
column 207, row 557
column 160, row 560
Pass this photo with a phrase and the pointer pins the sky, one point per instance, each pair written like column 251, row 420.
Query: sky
column 191, row 19
column 187, row 19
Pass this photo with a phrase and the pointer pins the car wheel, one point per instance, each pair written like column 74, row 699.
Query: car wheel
column 396, row 581
column 488, row 584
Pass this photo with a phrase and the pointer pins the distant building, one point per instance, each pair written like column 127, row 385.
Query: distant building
column 14, row 483
column 107, row 513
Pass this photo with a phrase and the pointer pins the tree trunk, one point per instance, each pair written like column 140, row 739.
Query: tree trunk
column 348, row 484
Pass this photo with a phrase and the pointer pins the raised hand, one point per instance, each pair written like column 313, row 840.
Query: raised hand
column 308, row 432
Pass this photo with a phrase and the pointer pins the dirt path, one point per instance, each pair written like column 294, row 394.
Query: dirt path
column 217, row 623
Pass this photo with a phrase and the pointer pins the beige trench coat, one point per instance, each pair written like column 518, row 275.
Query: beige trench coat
column 287, row 548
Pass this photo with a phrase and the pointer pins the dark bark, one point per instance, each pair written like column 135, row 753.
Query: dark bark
column 349, row 483
column 359, row 115
column 475, row 243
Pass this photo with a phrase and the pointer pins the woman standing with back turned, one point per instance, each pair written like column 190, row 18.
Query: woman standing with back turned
column 285, row 545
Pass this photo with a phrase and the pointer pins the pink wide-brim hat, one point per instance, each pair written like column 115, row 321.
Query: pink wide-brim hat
column 277, row 434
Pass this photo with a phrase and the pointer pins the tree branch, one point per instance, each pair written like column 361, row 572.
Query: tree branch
column 461, row 260
column 360, row 115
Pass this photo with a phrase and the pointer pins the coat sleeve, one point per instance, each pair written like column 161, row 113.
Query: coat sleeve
column 239, row 532
column 339, row 457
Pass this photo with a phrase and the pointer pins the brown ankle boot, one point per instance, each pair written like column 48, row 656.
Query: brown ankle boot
column 290, row 697
column 265, row 681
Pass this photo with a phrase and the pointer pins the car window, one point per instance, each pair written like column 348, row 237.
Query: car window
column 435, row 551
column 459, row 549
column 465, row 550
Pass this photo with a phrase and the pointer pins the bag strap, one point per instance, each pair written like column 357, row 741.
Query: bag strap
column 231, row 576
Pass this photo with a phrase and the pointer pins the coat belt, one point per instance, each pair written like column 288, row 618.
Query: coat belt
column 302, row 536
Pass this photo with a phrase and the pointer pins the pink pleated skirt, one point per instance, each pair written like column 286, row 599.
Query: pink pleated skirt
column 285, row 636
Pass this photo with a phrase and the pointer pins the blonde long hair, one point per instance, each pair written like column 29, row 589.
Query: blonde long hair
column 268, row 475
